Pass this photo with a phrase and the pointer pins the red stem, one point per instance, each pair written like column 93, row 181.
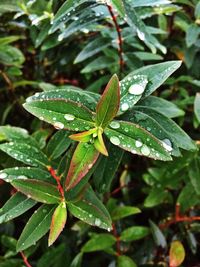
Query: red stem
column 25, row 259
column 117, row 240
column 57, row 178
column 120, row 41
column 179, row 218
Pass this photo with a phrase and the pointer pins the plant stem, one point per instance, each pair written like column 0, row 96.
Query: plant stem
column 25, row 259
column 118, row 252
column 57, row 178
column 120, row 41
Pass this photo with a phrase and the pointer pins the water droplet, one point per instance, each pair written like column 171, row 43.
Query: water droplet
column 97, row 222
column 115, row 140
column 145, row 150
column 167, row 144
column 138, row 143
column 59, row 125
column 69, row 117
column 141, row 35
column 124, row 107
column 114, row 125
column 136, row 89
column 3, row 175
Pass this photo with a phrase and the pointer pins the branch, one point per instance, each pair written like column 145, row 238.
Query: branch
column 178, row 218
column 118, row 252
column 120, row 42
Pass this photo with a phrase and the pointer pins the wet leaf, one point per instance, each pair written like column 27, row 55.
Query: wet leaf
column 38, row 190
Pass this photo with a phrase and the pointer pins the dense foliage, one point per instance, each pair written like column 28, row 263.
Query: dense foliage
column 99, row 135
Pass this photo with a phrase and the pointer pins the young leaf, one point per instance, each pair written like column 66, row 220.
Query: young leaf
column 38, row 190
column 91, row 210
column 133, row 138
column 176, row 254
column 155, row 75
column 28, row 154
column 123, row 261
column 37, row 226
column 58, row 222
column 99, row 143
column 61, row 113
column 99, row 242
column 83, row 159
column 15, row 206
column 108, row 104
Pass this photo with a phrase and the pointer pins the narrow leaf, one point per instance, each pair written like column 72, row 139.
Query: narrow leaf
column 91, row 210
column 58, row 222
column 197, row 106
column 15, row 206
column 133, row 138
column 83, row 159
column 37, row 226
column 194, row 174
column 108, row 104
column 158, row 235
column 38, row 190
column 176, row 254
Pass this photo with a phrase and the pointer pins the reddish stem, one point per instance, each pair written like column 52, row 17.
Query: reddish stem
column 57, row 178
column 179, row 218
column 120, row 41
column 118, row 252
column 25, row 259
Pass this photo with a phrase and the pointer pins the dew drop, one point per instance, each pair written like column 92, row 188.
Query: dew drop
column 167, row 144
column 124, row 107
column 138, row 143
column 115, row 140
column 3, row 175
column 145, row 150
column 69, row 117
column 114, row 125
column 58, row 125
column 97, row 222
column 141, row 35
column 136, row 89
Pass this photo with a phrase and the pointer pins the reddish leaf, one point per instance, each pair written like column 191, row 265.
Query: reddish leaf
column 82, row 161
column 108, row 104
column 176, row 254
column 83, row 136
column 58, row 222
column 99, row 144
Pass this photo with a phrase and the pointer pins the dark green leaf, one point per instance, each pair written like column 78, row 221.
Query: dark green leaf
column 38, row 190
column 15, row 206
column 99, row 242
column 123, row 261
column 194, row 174
column 37, row 226
column 124, row 211
column 134, row 233
column 197, row 106
column 158, row 235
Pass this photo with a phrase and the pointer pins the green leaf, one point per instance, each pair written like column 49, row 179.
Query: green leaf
column 11, row 56
column 118, row 4
column 102, row 62
column 123, row 261
column 11, row 174
column 38, row 190
column 158, row 235
column 25, row 153
column 149, row 78
column 197, row 106
column 123, row 212
column 91, row 210
column 177, row 135
column 167, row 108
column 156, row 197
column 134, row 233
column 133, row 138
column 8, row 6
column 108, row 104
column 58, row 144
column 192, row 34
column 99, row 242
column 77, row 260
column 188, row 197
column 92, row 48
column 194, row 174
column 83, row 159
column 15, row 206
column 58, row 222
column 176, row 254
column 61, row 113
column 142, row 3
column 37, row 226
